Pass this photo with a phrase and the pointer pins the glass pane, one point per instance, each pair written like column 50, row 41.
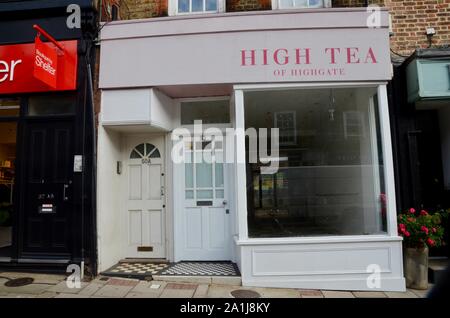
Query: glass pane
column 183, row 6
column 211, row 5
column 219, row 194
column 51, row 105
column 204, row 194
column 203, row 175
column 189, row 194
column 9, row 107
column 209, row 112
column 155, row 154
column 315, row 3
column 300, row 3
column 286, row 3
column 328, row 180
column 8, row 133
column 188, row 175
column 197, row 5
column 135, row 155
column 140, row 149
column 148, row 149
column 219, row 175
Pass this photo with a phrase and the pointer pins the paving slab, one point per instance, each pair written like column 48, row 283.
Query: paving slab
column 114, row 291
column 419, row 292
column 47, row 294
column 177, row 293
column 407, row 294
column 154, row 288
column 201, row 291
column 141, row 295
column 222, row 291
column 65, row 295
column 27, row 289
column 90, row 289
column 63, row 288
column 369, row 294
column 276, row 292
column 337, row 294
column 310, row 293
column 13, row 295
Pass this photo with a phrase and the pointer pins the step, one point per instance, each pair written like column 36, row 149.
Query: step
column 436, row 269
column 219, row 280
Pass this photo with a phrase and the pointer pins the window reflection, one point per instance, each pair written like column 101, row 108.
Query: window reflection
column 330, row 176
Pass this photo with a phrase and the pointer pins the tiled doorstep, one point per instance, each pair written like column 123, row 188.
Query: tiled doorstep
column 221, row 280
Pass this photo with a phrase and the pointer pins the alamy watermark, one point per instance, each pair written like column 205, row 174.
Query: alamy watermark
column 214, row 140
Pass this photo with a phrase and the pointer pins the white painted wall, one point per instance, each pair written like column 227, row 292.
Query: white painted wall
column 143, row 106
column 126, row 106
column 163, row 111
column 110, row 230
column 444, row 123
column 322, row 263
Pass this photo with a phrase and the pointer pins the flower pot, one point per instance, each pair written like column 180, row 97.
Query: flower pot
column 415, row 263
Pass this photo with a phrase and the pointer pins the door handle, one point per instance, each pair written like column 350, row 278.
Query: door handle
column 65, row 198
column 224, row 202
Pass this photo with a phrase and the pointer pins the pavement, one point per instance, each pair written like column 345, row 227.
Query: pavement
column 55, row 286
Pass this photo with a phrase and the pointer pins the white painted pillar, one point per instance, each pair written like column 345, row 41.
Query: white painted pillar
column 383, row 107
column 240, row 169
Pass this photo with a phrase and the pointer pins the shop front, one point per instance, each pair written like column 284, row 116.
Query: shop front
column 421, row 113
column 257, row 138
column 45, row 207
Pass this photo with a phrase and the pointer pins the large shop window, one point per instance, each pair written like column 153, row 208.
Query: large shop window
column 330, row 178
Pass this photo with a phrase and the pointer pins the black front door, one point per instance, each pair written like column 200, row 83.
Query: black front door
column 47, row 204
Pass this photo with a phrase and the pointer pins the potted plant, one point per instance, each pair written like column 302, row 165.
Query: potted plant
column 420, row 231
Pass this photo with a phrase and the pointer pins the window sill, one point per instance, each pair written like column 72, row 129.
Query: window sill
column 317, row 240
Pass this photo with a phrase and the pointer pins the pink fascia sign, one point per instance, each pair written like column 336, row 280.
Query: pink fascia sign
column 336, row 57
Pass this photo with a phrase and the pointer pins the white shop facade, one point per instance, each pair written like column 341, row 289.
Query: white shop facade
column 315, row 82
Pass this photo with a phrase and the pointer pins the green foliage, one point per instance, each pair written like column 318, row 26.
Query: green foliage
column 421, row 229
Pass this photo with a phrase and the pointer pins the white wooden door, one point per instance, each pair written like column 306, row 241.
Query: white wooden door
column 205, row 217
column 145, row 204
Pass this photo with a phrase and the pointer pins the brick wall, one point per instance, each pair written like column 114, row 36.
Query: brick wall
column 142, row 9
column 248, row 5
column 410, row 20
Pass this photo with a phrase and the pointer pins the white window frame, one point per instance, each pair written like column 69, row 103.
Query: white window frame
column 276, row 5
column 173, row 8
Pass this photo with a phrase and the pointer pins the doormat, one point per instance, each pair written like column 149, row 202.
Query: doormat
column 201, row 269
column 135, row 270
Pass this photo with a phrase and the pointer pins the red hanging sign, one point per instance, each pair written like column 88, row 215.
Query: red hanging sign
column 45, row 62
column 24, row 71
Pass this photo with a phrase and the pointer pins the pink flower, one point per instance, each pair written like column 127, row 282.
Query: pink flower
column 431, row 242
column 412, row 210
column 423, row 212
column 424, row 229
column 407, row 234
column 433, row 230
column 402, row 226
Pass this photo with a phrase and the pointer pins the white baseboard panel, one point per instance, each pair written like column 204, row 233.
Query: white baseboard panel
column 364, row 265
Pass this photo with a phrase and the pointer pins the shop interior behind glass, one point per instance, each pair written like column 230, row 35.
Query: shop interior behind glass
column 9, row 107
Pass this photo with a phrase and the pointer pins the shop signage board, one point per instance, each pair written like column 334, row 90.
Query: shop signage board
column 24, row 71
column 247, row 57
